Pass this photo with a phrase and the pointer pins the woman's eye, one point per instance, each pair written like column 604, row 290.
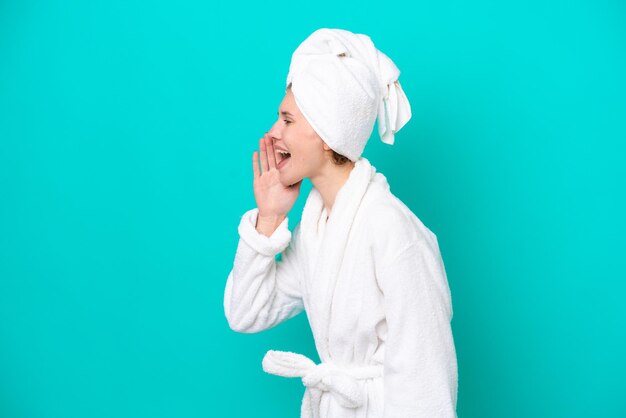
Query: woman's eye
column 287, row 121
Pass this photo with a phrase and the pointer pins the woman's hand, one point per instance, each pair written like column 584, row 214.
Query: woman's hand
column 272, row 198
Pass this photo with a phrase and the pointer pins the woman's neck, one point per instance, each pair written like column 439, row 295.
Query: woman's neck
column 330, row 180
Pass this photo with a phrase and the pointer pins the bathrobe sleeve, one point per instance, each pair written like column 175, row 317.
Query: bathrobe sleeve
column 261, row 292
column 420, row 366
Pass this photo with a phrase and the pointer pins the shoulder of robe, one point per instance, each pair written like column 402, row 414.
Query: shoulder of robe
column 392, row 227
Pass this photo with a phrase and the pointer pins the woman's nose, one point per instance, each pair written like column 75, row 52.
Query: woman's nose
column 274, row 132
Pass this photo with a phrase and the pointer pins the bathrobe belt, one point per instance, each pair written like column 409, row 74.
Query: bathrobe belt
column 341, row 381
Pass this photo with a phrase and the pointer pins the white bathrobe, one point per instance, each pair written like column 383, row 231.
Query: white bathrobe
column 374, row 287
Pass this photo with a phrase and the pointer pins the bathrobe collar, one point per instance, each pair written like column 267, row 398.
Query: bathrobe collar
column 329, row 248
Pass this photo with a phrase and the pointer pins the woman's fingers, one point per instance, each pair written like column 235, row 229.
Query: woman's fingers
column 270, row 151
column 264, row 165
column 255, row 164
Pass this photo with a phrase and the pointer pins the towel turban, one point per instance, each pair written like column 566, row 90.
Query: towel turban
column 342, row 84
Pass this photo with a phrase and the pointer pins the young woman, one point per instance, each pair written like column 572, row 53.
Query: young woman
column 365, row 269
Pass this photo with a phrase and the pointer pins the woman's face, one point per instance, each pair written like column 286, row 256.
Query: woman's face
column 292, row 132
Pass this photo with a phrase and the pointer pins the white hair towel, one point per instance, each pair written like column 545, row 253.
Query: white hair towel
column 342, row 84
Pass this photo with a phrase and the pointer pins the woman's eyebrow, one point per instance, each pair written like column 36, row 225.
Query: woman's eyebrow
column 284, row 112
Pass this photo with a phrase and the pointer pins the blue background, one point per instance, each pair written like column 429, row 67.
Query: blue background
column 126, row 133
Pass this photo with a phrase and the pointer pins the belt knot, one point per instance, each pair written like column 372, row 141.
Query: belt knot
column 341, row 381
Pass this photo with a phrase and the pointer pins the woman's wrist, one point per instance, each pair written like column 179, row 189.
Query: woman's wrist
column 267, row 224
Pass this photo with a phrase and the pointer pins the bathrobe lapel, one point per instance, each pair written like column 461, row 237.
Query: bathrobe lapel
column 327, row 249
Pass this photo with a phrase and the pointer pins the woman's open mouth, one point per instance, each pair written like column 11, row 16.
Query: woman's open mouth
column 284, row 157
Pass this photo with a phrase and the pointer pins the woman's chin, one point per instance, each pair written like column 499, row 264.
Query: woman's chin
column 288, row 181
